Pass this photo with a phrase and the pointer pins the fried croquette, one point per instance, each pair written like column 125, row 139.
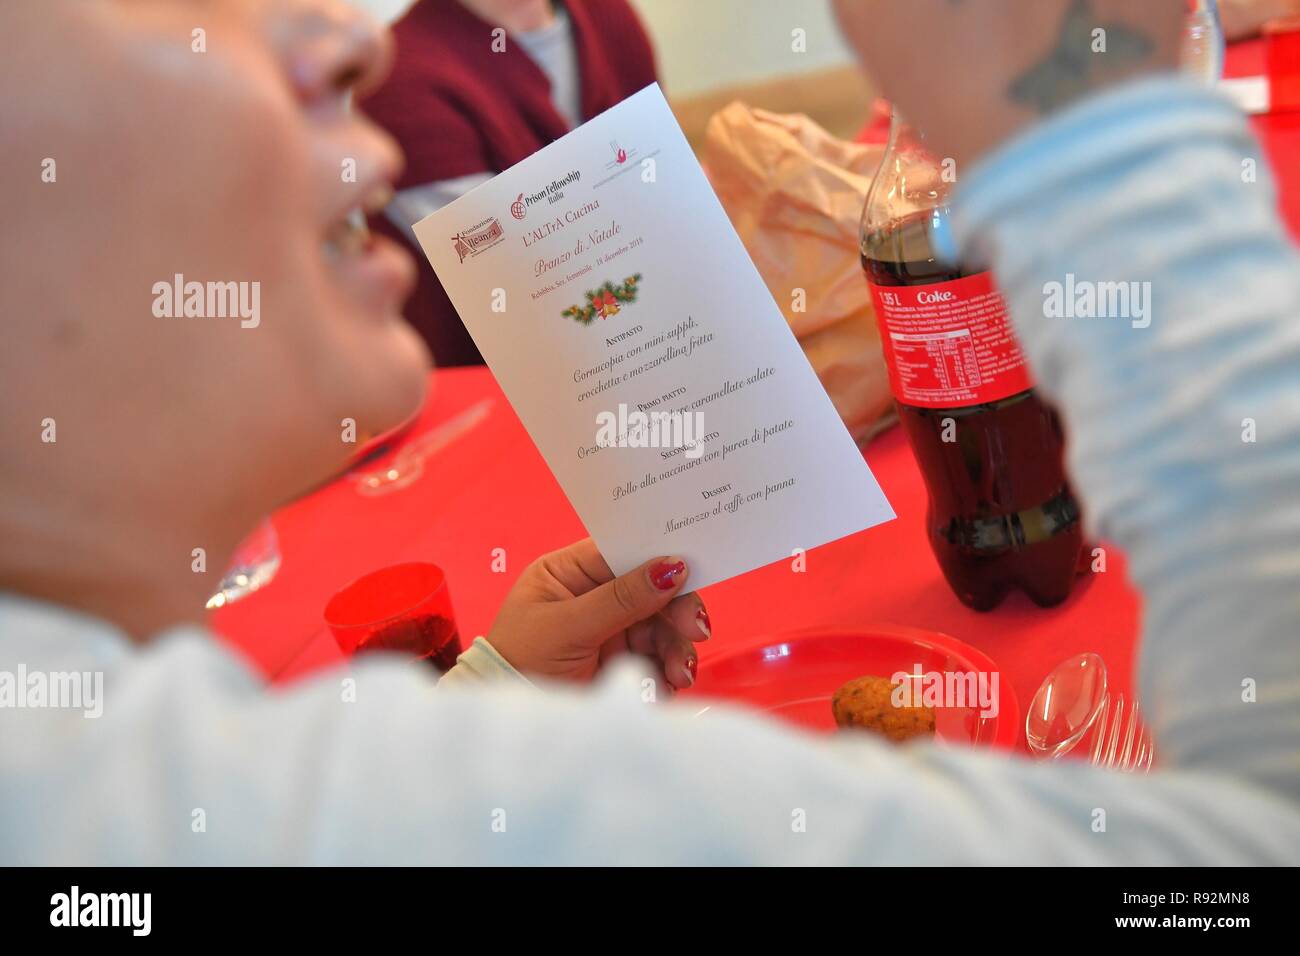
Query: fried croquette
column 867, row 703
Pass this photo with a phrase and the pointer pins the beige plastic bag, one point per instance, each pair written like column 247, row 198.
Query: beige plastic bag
column 795, row 195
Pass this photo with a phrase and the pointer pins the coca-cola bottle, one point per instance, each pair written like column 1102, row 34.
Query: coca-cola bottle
column 1001, row 513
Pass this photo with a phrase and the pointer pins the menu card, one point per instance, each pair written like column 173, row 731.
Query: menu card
column 622, row 317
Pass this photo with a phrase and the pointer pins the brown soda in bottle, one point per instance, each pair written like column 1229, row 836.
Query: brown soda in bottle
column 1001, row 514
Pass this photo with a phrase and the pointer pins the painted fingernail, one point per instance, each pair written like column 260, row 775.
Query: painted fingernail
column 664, row 574
column 692, row 665
column 702, row 621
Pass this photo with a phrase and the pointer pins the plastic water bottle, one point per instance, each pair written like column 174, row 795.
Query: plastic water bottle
column 1203, row 44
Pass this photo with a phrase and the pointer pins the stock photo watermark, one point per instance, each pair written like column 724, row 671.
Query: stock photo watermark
column 976, row 690
column 209, row 300
column 1077, row 298
column 128, row 910
column 638, row 429
column 25, row 689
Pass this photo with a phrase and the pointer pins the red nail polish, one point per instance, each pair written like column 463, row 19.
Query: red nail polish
column 664, row 575
column 692, row 665
column 702, row 621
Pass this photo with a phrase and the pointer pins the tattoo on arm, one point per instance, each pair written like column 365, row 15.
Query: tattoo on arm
column 1087, row 55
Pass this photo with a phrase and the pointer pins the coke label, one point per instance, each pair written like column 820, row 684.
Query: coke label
column 949, row 344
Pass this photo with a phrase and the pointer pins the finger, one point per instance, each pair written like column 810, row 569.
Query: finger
column 621, row 647
column 614, row 648
column 579, row 567
column 641, row 638
column 663, row 683
column 688, row 616
column 637, row 639
column 627, row 599
column 677, row 657
column 661, row 686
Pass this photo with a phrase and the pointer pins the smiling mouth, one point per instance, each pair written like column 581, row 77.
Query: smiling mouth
column 377, row 273
column 349, row 235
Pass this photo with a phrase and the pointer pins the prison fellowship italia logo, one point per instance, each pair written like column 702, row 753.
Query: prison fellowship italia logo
column 478, row 238
column 550, row 194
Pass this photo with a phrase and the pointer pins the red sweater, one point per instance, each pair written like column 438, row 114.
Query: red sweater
column 458, row 108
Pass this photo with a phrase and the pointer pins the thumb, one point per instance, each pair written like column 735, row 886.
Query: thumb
column 629, row 598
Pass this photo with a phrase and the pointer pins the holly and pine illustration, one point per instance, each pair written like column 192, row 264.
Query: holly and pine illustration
column 604, row 301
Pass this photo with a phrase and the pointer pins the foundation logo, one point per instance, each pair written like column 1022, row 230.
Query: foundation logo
column 478, row 238
column 517, row 208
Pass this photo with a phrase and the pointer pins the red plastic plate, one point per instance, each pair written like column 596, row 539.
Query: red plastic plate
column 793, row 676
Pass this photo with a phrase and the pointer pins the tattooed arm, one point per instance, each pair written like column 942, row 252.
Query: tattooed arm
column 974, row 72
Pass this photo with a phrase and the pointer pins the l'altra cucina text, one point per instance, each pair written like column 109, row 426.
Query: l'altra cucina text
column 552, row 226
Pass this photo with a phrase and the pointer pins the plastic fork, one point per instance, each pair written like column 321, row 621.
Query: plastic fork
column 1074, row 708
column 1120, row 742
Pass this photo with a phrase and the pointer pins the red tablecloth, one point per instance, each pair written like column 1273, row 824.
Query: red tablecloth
column 490, row 489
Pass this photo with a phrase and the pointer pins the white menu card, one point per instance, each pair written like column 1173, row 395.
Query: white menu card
column 622, row 317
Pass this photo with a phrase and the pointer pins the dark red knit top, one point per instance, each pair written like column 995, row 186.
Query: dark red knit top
column 458, row 108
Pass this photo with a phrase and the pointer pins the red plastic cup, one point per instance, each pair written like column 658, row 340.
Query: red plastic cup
column 1282, row 50
column 404, row 609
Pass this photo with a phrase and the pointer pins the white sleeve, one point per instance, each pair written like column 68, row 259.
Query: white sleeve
column 383, row 766
column 1183, row 424
column 480, row 663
